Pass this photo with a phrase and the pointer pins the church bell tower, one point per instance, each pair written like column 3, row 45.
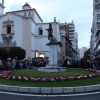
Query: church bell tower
column 2, row 8
column 26, row 6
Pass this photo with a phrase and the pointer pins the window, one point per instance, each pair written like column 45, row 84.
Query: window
column 98, row 17
column 40, row 31
column 8, row 29
column 29, row 14
column 24, row 13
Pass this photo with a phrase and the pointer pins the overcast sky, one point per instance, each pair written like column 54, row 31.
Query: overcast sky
column 80, row 11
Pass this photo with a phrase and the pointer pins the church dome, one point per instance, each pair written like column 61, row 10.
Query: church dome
column 26, row 6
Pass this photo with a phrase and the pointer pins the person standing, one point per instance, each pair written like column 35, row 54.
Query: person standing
column 65, row 62
column 8, row 65
column 0, row 64
column 5, row 66
column 68, row 63
column 17, row 64
column 26, row 64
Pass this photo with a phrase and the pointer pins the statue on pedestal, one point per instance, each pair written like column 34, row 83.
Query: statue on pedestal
column 53, row 53
column 50, row 35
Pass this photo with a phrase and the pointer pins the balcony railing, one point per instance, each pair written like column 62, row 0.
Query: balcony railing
column 71, row 35
column 10, row 34
column 97, row 10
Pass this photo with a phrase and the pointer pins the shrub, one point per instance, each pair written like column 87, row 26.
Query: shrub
column 3, row 53
column 17, row 51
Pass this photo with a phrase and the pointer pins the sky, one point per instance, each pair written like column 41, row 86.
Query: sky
column 80, row 11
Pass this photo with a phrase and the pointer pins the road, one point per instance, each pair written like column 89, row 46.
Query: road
column 16, row 96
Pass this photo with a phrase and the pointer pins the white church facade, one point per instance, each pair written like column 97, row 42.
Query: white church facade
column 25, row 28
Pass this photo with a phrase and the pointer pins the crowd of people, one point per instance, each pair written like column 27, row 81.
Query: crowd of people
column 15, row 64
column 79, row 64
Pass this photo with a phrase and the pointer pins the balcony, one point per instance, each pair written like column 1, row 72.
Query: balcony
column 71, row 37
column 72, row 26
column 97, row 4
column 97, row 10
column 98, row 22
column 97, row 1
column 10, row 34
column 97, row 44
column 71, row 32
column 98, row 29
column 71, row 29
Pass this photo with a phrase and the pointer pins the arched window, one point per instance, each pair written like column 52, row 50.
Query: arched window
column 40, row 31
column 8, row 29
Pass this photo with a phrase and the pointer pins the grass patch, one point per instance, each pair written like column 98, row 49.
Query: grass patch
column 75, row 83
column 35, row 73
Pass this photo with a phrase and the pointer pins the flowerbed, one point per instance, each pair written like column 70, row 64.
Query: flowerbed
column 6, row 75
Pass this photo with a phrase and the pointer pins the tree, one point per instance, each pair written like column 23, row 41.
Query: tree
column 3, row 53
column 17, row 51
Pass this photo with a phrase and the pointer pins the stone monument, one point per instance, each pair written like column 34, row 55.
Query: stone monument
column 53, row 58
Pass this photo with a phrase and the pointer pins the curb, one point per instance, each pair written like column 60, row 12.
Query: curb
column 50, row 90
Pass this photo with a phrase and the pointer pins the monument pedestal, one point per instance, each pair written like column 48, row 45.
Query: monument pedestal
column 53, row 59
column 52, row 69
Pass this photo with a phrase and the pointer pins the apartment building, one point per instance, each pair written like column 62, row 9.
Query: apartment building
column 95, row 37
column 81, row 52
column 73, row 37
column 69, row 38
column 66, row 50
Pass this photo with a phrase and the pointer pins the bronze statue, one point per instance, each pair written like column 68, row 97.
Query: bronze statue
column 50, row 31
column 52, row 39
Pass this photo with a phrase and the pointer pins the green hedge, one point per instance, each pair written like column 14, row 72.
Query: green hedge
column 17, row 51
column 3, row 53
column 12, row 52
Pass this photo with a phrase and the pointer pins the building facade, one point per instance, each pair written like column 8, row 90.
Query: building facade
column 26, row 29
column 73, row 37
column 95, row 36
column 87, row 55
column 81, row 52
column 66, row 50
column 69, row 37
